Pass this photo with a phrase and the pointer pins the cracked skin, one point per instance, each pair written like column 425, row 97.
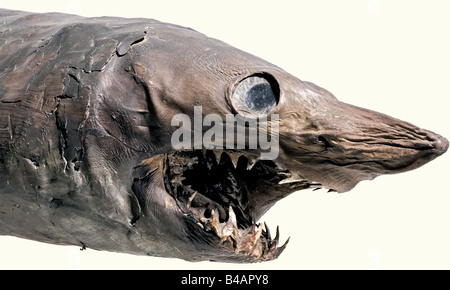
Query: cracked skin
column 85, row 152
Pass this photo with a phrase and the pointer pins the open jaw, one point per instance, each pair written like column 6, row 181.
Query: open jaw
column 225, row 191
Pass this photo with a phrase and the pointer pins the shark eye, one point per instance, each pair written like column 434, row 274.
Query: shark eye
column 255, row 96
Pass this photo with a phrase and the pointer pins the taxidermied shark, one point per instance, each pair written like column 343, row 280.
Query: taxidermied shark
column 87, row 126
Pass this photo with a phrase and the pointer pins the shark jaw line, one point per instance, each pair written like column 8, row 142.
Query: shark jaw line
column 217, row 188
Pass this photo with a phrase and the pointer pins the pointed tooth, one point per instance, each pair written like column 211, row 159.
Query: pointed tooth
column 178, row 179
column 200, row 212
column 287, row 174
column 255, row 237
column 251, row 162
column 230, row 228
column 218, row 154
column 215, row 213
column 276, row 252
column 234, row 158
column 281, row 166
column 277, row 236
column 258, row 232
column 232, row 216
column 267, row 232
column 290, row 180
column 281, row 249
column 252, row 238
column 191, row 198
column 293, row 177
column 214, row 218
column 222, row 229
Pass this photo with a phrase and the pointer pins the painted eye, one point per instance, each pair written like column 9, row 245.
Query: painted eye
column 255, row 96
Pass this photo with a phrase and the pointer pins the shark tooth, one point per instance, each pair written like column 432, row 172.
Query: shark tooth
column 293, row 177
column 232, row 216
column 230, row 227
column 191, row 198
column 234, row 158
column 279, row 250
column 290, row 180
column 215, row 222
column 281, row 167
column 267, row 232
column 251, row 162
column 177, row 179
column 218, row 154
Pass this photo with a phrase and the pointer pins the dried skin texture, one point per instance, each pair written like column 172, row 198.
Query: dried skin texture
column 85, row 140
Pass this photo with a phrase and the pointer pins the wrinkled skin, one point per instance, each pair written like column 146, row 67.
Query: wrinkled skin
column 85, row 140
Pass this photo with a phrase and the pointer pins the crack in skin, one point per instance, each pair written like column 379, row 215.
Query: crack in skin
column 85, row 139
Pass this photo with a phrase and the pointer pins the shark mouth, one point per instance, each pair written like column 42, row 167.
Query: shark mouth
column 221, row 190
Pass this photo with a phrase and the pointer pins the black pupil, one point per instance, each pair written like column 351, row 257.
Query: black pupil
column 260, row 98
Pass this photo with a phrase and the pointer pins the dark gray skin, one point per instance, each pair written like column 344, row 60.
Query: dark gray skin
column 85, row 129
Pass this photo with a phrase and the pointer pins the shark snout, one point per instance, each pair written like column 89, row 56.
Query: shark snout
column 392, row 144
column 425, row 146
column 344, row 144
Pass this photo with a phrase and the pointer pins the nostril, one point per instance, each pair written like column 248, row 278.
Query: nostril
column 325, row 141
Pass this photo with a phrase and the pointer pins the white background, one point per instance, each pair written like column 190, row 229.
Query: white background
column 389, row 56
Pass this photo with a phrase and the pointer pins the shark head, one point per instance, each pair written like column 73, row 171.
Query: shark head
column 223, row 190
